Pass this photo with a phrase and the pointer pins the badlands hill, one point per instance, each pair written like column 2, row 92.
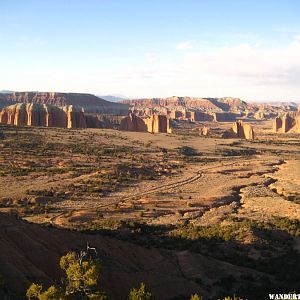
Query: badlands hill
column 218, row 104
column 225, row 104
column 90, row 103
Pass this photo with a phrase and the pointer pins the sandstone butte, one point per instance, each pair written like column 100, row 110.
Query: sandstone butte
column 153, row 124
column 33, row 114
column 243, row 130
column 288, row 122
column 90, row 103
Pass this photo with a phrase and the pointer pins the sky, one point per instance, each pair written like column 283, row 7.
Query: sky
column 153, row 48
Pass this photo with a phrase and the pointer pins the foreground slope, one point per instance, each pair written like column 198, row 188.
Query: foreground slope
column 30, row 253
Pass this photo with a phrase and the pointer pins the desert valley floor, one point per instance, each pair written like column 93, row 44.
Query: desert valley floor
column 182, row 212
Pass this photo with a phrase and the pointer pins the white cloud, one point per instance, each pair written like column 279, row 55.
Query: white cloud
column 184, row 45
column 151, row 57
column 245, row 71
column 297, row 38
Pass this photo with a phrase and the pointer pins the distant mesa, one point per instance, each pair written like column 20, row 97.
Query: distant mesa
column 90, row 103
column 226, row 109
column 70, row 110
column 113, row 98
column 288, row 122
column 221, row 104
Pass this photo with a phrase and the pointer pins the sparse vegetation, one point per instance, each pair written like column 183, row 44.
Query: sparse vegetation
column 81, row 280
column 111, row 184
column 140, row 294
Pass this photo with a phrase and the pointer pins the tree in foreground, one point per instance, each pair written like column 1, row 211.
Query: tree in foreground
column 35, row 291
column 140, row 294
column 81, row 280
column 196, row 297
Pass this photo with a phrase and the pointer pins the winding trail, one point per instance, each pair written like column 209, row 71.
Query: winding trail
column 159, row 188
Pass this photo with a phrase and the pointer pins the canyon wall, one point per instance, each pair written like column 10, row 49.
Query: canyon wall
column 34, row 114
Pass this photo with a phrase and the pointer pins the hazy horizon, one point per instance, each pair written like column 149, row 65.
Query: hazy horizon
column 124, row 97
column 144, row 49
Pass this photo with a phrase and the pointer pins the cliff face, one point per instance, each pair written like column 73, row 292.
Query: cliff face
column 215, row 104
column 88, row 102
column 158, row 123
column 45, row 115
column 287, row 122
column 173, row 102
column 133, row 123
column 153, row 124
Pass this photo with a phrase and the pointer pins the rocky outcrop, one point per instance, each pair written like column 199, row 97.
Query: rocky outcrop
column 75, row 118
column 133, row 123
column 153, row 124
column 204, row 131
column 34, row 114
column 243, row 130
column 158, row 123
column 288, row 122
column 90, row 103
column 190, row 115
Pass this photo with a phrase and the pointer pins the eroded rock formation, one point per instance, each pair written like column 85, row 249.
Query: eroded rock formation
column 153, row 124
column 34, row 114
column 288, row 122
column 243, row 130
column 158, row 123
column 133, row 123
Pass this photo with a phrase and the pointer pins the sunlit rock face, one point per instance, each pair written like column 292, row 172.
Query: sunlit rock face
column 133, row 123
column 243, row 130
column 35, row 114
column 288, row 122
column 153, row 124
column 158, row 123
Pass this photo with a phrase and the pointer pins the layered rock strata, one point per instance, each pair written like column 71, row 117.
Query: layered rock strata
column 33, row 114
column 90, row 103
